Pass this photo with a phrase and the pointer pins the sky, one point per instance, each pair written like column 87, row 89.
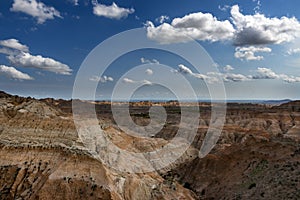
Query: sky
column 254, row 47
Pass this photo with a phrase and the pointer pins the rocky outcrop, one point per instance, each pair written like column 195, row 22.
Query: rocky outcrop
column 43, row 157
column 255, row 169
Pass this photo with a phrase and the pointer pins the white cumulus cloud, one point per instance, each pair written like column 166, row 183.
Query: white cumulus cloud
column 250, row 33
column 267, row 73
column 18, row 55
column 230, row 77
column 149, row 71
column 198, row 26
column 14, row 44
column 25, row 59
column 113, row 11
column 213, row 77
column 228, row 68
column 185, row 70
column 13, row 73
column 293, row 51
column 290, row 79
column 260, row 30
column 36, row 9
column 248, row 53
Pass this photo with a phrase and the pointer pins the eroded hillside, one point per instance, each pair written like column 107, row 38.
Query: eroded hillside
column 43, row 157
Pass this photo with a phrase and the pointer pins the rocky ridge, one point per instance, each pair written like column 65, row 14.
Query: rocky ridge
column 42, row 156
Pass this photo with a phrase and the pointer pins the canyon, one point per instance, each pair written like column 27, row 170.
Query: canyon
column 43, row 155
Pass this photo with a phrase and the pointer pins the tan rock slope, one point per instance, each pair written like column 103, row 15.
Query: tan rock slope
column 42, row 156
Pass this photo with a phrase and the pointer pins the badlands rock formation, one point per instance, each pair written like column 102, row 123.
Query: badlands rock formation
column 43, row 156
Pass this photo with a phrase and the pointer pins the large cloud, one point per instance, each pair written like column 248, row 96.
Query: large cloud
column 231, row 77
column 259, row 30
column 199, row 26
column 14, row 44
column 18, row 54
column 290, row 79
column 248, row 30
column 113, row 11
column 38, row 10
column 12, row 72
column 267, row 73
column 248, row 53
column 31, row 61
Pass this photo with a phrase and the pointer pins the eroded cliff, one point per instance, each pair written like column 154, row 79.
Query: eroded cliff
column 43, row 157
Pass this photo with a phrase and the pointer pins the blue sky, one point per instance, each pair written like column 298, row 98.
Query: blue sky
column 254, row 44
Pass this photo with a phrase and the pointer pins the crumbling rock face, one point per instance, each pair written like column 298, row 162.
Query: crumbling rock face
column 50, row 174
column 43, row 157
column 256, row 169
column 55, row 174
